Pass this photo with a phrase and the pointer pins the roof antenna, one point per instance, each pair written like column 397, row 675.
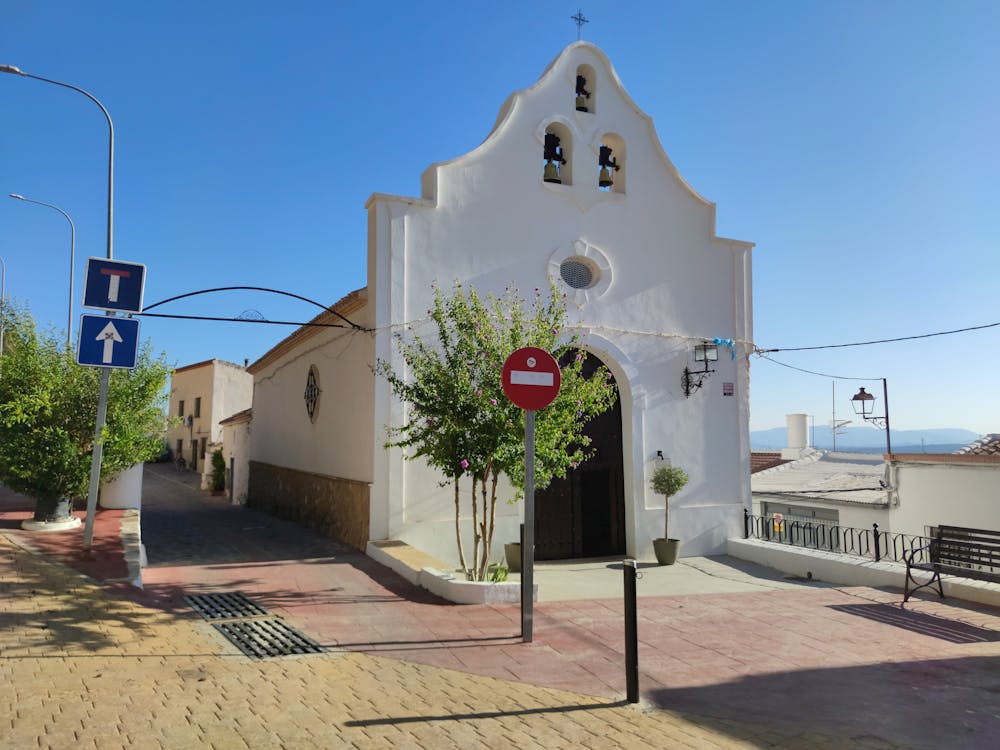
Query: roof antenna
column 580, row 20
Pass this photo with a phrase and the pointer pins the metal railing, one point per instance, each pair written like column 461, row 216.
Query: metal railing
column 868, row 543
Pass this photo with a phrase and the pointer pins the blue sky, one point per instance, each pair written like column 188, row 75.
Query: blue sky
column 855, row 142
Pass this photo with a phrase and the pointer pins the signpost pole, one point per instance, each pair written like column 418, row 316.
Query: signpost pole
column 95, row 460
column 528, row 545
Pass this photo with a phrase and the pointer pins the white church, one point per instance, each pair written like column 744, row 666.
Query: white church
column 573, row 186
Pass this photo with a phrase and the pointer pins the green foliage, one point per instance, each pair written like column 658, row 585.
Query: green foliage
column 460, row 421
column 218, row 471
column 668, row 480
column 48, row 410
column 497, row 572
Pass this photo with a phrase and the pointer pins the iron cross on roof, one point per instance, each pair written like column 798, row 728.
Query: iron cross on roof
column 580, row 20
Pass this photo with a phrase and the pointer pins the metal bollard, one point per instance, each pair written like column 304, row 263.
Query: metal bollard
column 631, row 634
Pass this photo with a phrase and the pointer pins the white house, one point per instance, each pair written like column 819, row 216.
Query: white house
column 647, row 281
column 904, row 493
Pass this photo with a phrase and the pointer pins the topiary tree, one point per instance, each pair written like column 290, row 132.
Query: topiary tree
column 668, row 480
column 218, row 471
column 48, row 406
column 458, row 418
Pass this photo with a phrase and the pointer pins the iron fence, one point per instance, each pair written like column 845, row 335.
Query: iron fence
column 869, row 543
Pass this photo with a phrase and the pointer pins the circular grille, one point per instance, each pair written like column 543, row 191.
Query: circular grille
column 577, row 273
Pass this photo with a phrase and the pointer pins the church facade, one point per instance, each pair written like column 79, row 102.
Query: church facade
column 571, row 186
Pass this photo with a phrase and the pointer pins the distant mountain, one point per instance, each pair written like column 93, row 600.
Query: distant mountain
column 870, row 439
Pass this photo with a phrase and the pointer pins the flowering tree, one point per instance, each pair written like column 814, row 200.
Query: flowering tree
column 458, row 418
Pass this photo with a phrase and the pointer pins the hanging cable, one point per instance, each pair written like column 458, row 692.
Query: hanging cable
column 878, row 341
column 763, row 355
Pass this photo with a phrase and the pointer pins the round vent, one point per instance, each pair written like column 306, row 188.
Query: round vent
column 577, row 273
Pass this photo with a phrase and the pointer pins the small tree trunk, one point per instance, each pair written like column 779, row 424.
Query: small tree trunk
column 475, row 531
column 666, row 518
column 458, row 527
column 484, row 531
column 53, row 509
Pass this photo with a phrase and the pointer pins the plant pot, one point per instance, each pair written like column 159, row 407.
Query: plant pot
column 512, row 553
column 666, row 550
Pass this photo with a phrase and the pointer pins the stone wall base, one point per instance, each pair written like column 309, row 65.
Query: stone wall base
column 337, row 508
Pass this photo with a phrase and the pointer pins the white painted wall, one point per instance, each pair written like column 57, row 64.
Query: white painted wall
column 236, row 442
column 339, row 442
column 953, row 490
column 488, row 219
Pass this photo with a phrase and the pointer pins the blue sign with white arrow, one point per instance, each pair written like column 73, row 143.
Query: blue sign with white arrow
column 114, row 285
column 108, row 342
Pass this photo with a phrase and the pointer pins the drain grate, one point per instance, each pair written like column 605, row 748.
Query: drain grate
column 261, row 639
column 224, row 606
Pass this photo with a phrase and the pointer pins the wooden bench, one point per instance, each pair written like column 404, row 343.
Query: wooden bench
column 956, row 551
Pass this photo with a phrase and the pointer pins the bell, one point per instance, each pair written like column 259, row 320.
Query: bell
column 604, row 179
column 551, row 173
column 581, row 103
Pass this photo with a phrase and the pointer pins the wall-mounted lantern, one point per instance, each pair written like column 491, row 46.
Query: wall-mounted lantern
column 694, row 379
column 864, row 403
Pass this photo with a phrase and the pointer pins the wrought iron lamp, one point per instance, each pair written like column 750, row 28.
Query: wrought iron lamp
column 864, row 402
column 694, row 379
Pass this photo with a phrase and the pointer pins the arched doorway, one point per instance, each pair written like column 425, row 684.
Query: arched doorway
column 583, row 515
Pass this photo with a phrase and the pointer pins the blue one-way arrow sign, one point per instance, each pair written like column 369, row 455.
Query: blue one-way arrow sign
column 108, row 342
column 114, row 285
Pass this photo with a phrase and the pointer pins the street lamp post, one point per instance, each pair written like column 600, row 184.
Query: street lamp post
column 102, row 398
column 862, row 401
column 72, row 261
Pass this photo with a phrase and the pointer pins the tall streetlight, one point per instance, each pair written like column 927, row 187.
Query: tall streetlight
column 72, row 261
column 102, row 399
column 863, row 402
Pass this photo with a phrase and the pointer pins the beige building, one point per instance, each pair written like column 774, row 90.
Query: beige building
column 201, row 396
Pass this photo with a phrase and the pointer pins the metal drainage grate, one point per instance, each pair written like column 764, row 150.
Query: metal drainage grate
column 260, row 639
column 224, row 606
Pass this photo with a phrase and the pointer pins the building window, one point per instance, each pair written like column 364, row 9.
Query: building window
column 586, row 99
column 611, row 164
column 180, row 451
column 201, row 448
column 197, row 406
column 180, row 408
column 557, row 155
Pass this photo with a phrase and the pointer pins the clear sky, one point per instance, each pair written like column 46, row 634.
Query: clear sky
column 856, row 143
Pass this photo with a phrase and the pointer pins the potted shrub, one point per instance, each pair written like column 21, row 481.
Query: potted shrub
column 667, row 481
column 218, row 472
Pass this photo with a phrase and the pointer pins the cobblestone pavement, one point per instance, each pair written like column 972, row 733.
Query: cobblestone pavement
column 809, row 666
column 82, row 669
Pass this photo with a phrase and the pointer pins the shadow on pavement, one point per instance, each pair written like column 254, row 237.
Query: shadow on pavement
column 893, row 704
column 921, row 622
column 392, row 720
column 50, row 606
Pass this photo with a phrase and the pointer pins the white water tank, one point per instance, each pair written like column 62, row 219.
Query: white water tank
column 798, row 436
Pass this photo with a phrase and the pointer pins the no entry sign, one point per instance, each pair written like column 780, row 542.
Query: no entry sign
column 531, row 378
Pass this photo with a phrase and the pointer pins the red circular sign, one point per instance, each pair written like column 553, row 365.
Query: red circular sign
column 531, row 378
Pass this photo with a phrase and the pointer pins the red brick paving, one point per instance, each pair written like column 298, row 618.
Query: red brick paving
column 845, row 661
